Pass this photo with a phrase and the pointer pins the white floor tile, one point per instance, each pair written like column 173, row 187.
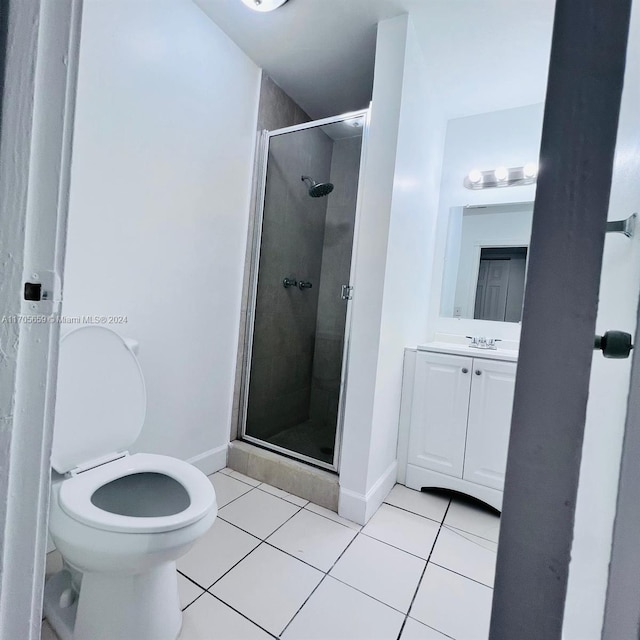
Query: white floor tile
column 268, row 586
column 424, row 504
column 338, row 612
column 187, row 591
column 241, row 477
column 312, row 538
column 46, row 632
column 414, row 630
column 208, row 618
column 466, row 554
column 332, row 515
column 476, row 519
column 258, row 512
column 453, row 604
column 216, row 552
column 289, row 497
column 381, row 571
column 227, row 488
column 402, row 529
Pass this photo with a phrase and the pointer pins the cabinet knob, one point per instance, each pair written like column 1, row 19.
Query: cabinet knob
column 465, row 370
column 478, row 372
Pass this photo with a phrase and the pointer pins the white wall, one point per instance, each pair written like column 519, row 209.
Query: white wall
column 609, row 385
column 510, row 137
column 160, row 188
column 398, row 205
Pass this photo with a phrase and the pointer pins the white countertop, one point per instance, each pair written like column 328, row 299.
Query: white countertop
column 509, row 355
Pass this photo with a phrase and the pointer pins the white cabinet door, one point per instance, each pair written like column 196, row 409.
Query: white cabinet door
column 489, row 422
column 439, row 412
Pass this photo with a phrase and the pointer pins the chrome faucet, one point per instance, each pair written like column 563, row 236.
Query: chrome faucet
column 480, row 342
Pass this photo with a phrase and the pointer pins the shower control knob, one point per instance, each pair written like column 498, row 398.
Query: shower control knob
column 465, row 370
column 478, row 372
column 304, row 285
column 289, row 282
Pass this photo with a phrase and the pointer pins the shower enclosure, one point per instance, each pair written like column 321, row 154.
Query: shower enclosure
column 298, row 316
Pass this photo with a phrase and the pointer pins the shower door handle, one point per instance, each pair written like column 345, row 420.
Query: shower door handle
column 347, row 292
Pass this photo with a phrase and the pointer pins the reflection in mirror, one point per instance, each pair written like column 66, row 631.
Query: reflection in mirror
column 485, row 264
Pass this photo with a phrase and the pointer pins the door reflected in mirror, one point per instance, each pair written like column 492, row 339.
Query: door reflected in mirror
column 500, row 287
column 486, row 261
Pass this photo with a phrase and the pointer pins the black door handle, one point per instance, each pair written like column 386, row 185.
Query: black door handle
column 614, row 344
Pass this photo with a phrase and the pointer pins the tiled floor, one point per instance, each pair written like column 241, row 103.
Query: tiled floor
column 274, row 565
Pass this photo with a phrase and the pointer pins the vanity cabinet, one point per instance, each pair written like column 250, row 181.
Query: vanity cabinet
column 459, row 421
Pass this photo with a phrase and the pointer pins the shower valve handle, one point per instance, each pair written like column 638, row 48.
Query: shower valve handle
column 304, row 285
column 289, row 282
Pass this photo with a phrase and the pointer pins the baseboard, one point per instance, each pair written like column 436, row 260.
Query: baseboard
column 360, row 507
column 211, row 461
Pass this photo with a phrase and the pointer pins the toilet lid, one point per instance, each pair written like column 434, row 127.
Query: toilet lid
column 101, row 398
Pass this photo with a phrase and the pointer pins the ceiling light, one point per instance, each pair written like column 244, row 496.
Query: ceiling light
column 263, row 5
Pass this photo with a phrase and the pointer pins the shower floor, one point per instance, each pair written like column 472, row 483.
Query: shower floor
column 309, row 439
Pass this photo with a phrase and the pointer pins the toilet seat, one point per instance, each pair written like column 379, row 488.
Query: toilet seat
column 101, row 399
column 76, row 492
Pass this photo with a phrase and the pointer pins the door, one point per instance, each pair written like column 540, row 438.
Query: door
column 555, row 539
column 301, row 288
column 490, row 407
column 439, row 412
column 493, row 284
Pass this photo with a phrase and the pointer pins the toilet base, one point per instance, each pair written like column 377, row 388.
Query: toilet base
column 137, row 607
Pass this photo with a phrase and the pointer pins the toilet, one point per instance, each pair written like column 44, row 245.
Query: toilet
column 119, row 520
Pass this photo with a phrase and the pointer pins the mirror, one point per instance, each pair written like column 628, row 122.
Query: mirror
column 486, row 261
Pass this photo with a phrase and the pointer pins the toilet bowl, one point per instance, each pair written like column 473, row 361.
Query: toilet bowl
column 119, row 520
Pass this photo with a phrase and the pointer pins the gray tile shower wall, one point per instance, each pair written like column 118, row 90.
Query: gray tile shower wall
column 276, row 110
column 285, row 320
column 336, row 265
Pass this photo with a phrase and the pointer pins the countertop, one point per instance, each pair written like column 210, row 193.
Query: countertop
column 508, row 355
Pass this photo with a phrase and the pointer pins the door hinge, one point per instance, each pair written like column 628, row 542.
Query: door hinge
column 347, row 292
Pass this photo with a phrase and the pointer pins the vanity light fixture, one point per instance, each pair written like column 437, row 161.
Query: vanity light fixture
column 263, row 5
column 502, row 177
column 530, row 170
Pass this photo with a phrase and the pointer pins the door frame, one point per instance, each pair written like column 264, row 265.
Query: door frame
column 38, row 101
column 261, row 178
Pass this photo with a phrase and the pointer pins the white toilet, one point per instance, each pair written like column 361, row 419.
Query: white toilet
column 120, row 521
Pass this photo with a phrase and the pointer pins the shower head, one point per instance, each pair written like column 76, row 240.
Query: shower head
column 317, row 189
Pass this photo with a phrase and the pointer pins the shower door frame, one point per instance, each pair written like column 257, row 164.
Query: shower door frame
column 261, row 177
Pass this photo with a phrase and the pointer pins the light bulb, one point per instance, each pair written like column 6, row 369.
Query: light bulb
column 475, row 176
column 263, row 5
column 502, row 174
column 530, row 170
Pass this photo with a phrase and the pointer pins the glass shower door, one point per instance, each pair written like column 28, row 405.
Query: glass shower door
column 293, row 377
